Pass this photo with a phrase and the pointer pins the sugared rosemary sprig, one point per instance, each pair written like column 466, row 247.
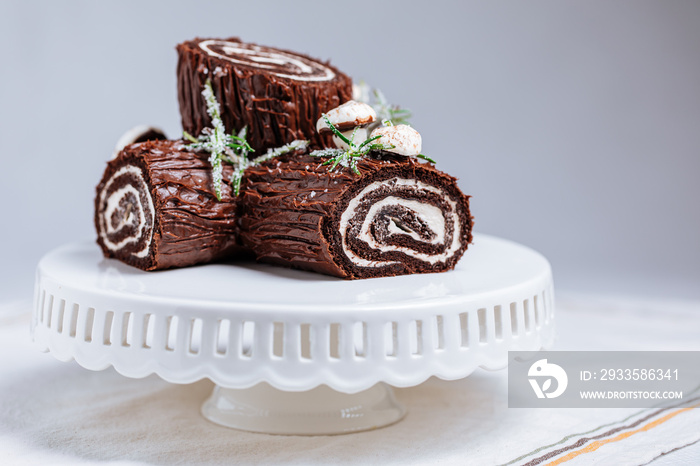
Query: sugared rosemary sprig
column 229, row 148
column 241, row 165
column 215, row 140
column 387, row 112
column 425, row 157
column 348, row 157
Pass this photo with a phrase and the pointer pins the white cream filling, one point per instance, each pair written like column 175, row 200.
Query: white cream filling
column 113, row 204
column 269, row 60
column 431, row 215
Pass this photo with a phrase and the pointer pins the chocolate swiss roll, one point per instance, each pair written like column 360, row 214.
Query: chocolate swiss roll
column 276, row 93
column 156, row 208
column 399, row 216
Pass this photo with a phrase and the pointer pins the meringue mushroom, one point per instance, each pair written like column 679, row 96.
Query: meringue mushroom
column 139, row 133
column 406, row 140
column 346, row 118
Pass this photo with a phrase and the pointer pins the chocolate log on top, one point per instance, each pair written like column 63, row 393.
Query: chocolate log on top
column 277, row 94
column 399, row 216
column 156, row 208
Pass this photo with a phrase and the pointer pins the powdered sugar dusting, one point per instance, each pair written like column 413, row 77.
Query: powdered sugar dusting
column 406, row 140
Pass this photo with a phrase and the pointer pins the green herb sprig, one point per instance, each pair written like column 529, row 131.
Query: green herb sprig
column 348, row 157
column 215, row 140
column 387, row 113
column 229, row 148
column 243, row 164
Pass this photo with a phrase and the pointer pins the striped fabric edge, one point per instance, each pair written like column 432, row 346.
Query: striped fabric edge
column 576, row 444
column 673, row 450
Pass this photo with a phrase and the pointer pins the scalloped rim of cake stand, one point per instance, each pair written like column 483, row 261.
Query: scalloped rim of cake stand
column 398, row 330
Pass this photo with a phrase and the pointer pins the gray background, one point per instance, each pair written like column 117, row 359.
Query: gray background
column 575, row 125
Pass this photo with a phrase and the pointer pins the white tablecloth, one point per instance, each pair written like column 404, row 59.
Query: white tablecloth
column 59, row 413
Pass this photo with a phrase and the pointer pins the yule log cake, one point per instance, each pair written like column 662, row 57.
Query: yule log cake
column 277, row 94
column 399, row 216
column 350, row 198
column 156, row 208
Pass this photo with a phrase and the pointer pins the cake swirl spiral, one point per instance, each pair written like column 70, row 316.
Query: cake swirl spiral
column 278, row 62
column 400, row 220
column 127, row 215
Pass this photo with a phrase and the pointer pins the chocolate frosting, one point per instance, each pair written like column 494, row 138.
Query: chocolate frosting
column 277, row 94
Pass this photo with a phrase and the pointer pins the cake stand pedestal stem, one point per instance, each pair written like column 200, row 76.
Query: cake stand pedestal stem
column 320, row 411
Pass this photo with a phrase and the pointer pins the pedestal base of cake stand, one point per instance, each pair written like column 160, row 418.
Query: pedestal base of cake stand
column 319, row 411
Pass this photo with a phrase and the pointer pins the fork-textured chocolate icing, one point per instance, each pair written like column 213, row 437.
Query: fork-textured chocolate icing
column 279, row 95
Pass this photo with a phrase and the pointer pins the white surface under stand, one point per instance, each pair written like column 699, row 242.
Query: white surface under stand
column 294, row 352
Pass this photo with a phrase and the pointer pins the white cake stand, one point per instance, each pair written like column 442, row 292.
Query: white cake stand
column 294, row 352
